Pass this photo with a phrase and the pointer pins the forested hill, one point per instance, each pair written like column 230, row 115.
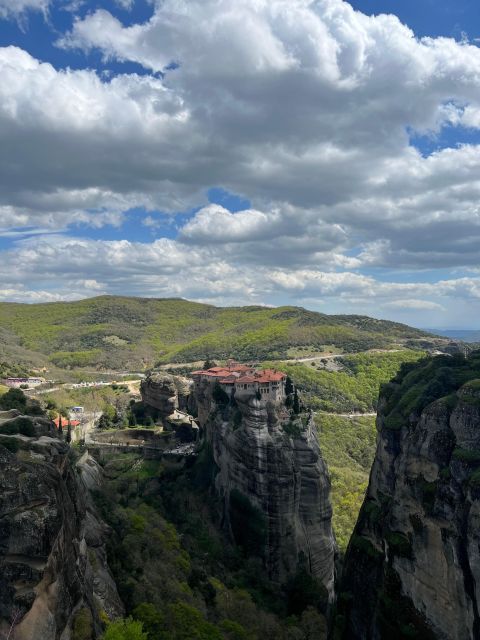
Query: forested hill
column 121, row 332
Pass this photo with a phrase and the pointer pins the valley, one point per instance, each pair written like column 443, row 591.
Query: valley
column 241, row 482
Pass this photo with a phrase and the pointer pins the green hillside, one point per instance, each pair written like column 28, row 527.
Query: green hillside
column 121, row 332
column 354, row 387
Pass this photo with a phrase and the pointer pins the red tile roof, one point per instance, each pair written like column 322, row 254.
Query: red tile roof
column 243, row 374
column 245, row 379
column 268, row 375
column 73, row 423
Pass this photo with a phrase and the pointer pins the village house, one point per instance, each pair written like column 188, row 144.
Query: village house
column 65, row 421
column 16, row 383
column 245, row 378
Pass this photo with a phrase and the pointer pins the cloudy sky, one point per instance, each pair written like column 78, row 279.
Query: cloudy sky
column 311, row 152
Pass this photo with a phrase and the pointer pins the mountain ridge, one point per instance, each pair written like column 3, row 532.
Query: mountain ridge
column 135, row 332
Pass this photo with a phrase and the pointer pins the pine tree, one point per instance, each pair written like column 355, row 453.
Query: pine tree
column 288, row 386
column 69, row 433
column 296, row 403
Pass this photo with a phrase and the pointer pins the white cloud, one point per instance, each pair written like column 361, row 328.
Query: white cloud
column 302, row 107
column 414, row 304
column 14, row 8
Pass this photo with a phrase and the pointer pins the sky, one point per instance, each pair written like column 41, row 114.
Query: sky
column 319, row 153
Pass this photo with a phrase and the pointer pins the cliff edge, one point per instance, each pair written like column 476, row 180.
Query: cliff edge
column 412, row 569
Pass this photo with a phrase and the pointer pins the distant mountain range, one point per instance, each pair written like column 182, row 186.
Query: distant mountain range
column 466, row 335
column 110, row 332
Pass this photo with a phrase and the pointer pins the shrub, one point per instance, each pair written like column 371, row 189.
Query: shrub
column 399, row 544
column 20, row 425
column 125, row 630
column 82, row 624
column 365, row 546
column 13, row 399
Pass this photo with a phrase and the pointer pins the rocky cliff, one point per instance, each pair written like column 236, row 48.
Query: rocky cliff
column 53, row 568
column 166, row 393
column 412, row 569
column 273, row 483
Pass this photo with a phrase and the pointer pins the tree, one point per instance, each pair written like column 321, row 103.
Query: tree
column 288, row 386
column 183, row 622
column 208, row 364
column 13, row 399
column 125, row 630
column 151, row 619
column 69, row 433
column 296, row 403
column 219, row 395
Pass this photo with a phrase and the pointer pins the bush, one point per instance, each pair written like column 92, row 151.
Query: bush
column 13, row 399
column 399, row 544
column 184, row 622
column 82, row 625
column 20, row 425
column 125, row 630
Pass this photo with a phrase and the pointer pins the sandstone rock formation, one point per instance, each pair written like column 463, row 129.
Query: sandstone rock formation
column 52, row 556
column 412, row 569
column 166, row 393
column 271, row 465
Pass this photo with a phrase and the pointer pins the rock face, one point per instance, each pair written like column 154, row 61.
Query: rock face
column 52, row 557
column 271, row 472
column 166, row 393
column 412, row 569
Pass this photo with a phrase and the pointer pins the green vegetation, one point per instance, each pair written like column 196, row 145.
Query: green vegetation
column 11, row 369
column 398, row 544
column 20, row 425
column 178, row 575
column 82, row 624
column 119, row 332
column 355, row 387
column 432, row 379
column 125, row 630
column 16, row 399
column 348, row 447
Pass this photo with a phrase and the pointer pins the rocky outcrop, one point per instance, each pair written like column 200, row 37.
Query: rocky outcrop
column 166, row 393
column 52, row 556
column 412, row 569
column 12, row 421
column 273, row 482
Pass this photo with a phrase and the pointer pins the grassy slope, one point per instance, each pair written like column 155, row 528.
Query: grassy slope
column 355, row 387
column 120, row 332
column 348, row 446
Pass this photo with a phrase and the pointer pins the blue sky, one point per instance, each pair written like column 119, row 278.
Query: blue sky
column 244, row 153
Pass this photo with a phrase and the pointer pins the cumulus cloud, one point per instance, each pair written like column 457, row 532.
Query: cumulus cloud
column 79, row 267
column 305, row 108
